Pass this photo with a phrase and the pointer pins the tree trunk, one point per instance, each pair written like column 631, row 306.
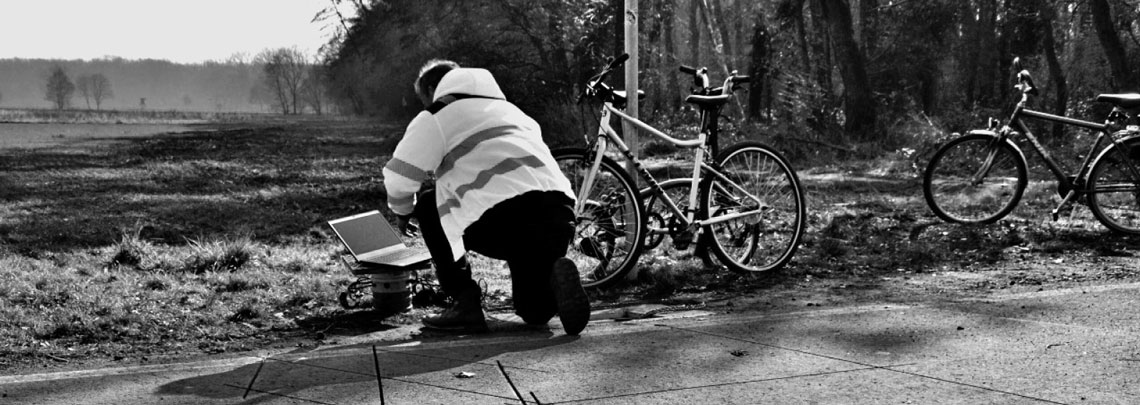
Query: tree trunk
column 619, row 27
column 969, row 53
column 721, row 24
column 669, row 14
column 987, row 44
column 757, row 102
column 715, row 35
column 559, row 48
column 695, row 32
column 738, row 12
column 1110, row 41
column 801, row 35
column 1056, row 74
column 652, row 68
column 858, row 102
column 821, row 45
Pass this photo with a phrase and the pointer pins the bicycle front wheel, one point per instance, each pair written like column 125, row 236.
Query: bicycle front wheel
column 610, row 227
column 975, row 179
column 757, row 210
column 1114, row 189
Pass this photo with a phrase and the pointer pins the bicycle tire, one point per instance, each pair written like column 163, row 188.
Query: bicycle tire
column 659, row 218
column 768, row 240
column 946, row 183
column 1119, row 210
column 609, row 232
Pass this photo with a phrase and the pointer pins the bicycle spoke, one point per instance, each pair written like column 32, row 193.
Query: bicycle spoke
column 974, row 179
column 609, row 228
column 1114, row 196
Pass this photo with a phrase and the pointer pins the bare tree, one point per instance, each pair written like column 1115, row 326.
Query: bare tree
column 284, row 71
column 83, row 84
column 59, row 88
column 100, row 89
column 313, row 89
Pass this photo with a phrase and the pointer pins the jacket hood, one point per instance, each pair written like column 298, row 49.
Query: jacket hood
column 472, row 81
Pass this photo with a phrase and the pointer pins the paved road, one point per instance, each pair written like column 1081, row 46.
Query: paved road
column 1075, row 346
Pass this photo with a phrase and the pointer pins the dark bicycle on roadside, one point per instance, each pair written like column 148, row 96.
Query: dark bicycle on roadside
column 979, row 177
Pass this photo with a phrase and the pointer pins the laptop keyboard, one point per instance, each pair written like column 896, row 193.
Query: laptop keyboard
column 398, row 255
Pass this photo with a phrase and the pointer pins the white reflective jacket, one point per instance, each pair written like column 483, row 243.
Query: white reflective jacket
column 482, row 149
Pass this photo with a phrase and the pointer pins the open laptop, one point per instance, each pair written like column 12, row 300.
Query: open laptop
column 371, row 239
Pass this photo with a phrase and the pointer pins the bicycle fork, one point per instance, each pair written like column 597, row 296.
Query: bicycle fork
column 591, row 172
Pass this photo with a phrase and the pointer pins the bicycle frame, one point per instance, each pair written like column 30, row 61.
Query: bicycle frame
column 606, row 134
column 1074, row 184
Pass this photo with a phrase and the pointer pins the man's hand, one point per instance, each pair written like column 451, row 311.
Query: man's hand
column 404, row 223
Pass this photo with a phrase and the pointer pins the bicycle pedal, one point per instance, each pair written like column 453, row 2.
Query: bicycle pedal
column 682, row 240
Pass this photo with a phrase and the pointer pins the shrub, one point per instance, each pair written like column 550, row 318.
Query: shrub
column 219, row 255
column 131, row 249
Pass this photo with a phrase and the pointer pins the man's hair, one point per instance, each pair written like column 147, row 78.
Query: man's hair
column 431, row 73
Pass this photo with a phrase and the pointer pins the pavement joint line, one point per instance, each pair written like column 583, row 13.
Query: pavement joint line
column 403, row 380
column 379, row 379
column 281, row 395
column 887, row 368
column 725, row 384
column 251, row 380
column 299, row 361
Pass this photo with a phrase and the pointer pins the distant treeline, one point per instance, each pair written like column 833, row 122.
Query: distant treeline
column 140, row 84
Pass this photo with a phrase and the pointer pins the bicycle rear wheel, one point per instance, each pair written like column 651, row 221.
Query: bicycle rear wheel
column 765, row 192
column 609, row 232
column 1114, row 193
column 960, row 189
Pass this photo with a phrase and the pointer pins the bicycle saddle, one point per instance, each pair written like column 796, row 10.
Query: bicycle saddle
column 708, row 101
column 1129, row 100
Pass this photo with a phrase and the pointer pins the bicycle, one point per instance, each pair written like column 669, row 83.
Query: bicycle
column 749, row 202
column 979, row 178
column 659, row 217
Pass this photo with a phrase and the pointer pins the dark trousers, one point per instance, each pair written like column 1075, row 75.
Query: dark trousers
column 529, row 232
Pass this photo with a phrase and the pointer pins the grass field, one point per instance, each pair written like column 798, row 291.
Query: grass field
column 205, row 239
column 212, row 239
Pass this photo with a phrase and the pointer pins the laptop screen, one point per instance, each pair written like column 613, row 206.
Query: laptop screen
column 365, row 232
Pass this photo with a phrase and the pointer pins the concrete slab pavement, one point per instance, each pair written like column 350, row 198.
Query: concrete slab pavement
column 1076, row 346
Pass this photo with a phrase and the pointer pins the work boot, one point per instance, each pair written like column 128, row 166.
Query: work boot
column 573, row 304
column 466, row 315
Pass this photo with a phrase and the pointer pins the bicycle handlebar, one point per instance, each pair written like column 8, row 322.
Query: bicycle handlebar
column 618, row 61
column 701, row 81
column 591, row 85
column 700, row 77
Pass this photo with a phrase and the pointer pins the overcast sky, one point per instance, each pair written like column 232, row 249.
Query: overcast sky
column 184, row 31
